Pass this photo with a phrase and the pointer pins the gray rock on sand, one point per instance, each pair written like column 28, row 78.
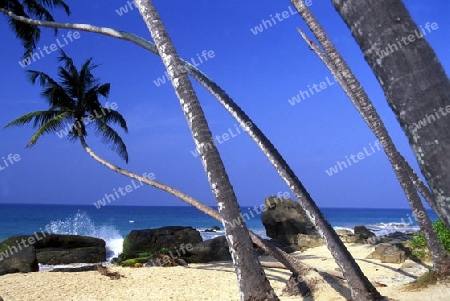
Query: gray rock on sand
column 389, row 253
column 284, row 219
column 20, row 259
column 151, row 240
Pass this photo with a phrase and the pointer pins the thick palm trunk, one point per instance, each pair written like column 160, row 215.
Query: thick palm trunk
column 364, row 106
column 296, row 267
column 253, row 283
column 419, row 95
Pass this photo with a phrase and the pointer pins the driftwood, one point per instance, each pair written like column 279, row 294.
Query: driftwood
column 277, row 265
column 106, row 272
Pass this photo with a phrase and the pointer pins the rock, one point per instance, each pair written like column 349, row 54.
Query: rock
column 64, row 249
column 181, row 262
column 152, row 240
column 389, row 253
column 362, row 234
column 309, row 241
column 215, row 249
column 284, row 219
column 212, row 229
column 16, row 257
column 346, row 236
column 391, row 238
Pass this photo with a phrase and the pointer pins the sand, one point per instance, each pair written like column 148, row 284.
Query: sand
column 215, row 281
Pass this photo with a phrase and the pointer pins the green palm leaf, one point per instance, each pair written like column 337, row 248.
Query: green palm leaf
column 72, row 99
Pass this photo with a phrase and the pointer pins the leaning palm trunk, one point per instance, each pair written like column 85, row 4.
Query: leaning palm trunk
column 357, row 281
column 253, row 283
column 364, row 106
column 420, row 84
column 296, row 267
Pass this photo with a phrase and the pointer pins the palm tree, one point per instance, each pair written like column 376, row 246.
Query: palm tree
column 356, row 279
column 39, row 9
column 419, row 95
column 357, row 95
column 74, row 103
column 62, row 105
column 252, row 280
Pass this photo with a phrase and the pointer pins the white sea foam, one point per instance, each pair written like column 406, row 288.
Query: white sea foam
column 81, row 224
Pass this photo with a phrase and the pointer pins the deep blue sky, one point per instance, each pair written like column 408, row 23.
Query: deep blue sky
column 261, row 72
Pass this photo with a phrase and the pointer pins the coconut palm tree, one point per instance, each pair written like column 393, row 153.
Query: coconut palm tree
column 357, row 281
column 68, row 106
column 253, row 283
column 74, row 104
column 39, row 9
column 361, row 101
column 419, row 97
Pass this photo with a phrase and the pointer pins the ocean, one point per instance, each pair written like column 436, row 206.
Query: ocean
column 113, row 223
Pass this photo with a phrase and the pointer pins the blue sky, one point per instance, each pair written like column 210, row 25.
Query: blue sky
column 262, row 72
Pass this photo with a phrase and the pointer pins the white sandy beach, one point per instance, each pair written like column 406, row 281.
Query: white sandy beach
column 213, row 282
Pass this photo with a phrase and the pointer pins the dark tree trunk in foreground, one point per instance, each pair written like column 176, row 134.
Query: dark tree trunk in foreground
column 413, row 80
column 253, row 283
column 364, row 106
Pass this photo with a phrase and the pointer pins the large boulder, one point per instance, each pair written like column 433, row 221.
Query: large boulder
column 363, row 235
column 16, row 257
column 389, row 253
column 309, row 241
column 174, row 238
column 284, row 219
column 346, row 236
column 215, row 249
column 64, row 249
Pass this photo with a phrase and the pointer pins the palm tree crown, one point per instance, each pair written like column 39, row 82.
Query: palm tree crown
column 37, row 9
column 74, row 101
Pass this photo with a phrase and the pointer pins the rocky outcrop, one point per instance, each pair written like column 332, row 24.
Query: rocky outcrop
column 21, row 254
column 346, row 236
column 174, row 238
column 284, row 219
column 212, row 229
column 64, row 249
column 363, row 234
column 215, row 249
column 389, row 253
column 309, row 241
column 16, row 257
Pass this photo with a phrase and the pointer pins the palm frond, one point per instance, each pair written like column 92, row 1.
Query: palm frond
column 29, row 35
column 39, row 117
column 53, row 92
column 110, row 136
column 50, row 126
column 111, row 116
